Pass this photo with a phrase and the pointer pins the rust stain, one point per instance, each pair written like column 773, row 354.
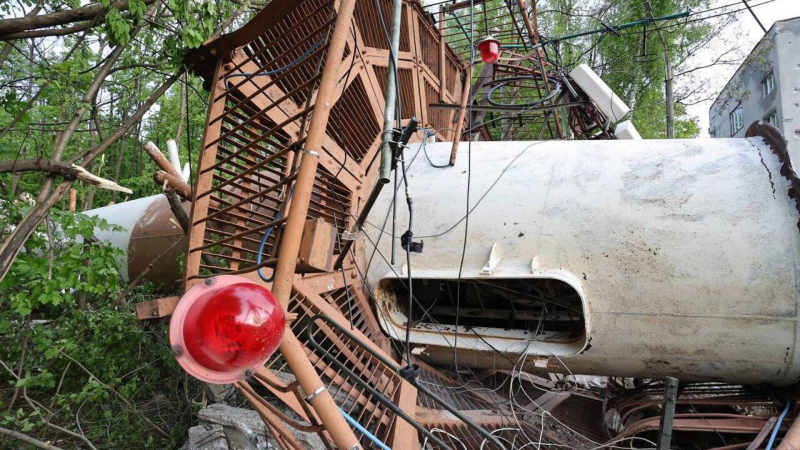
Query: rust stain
column 772, row 137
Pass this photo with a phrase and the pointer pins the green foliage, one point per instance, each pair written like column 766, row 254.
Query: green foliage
column 117, row 28
column 35, row 282
column 14, row 106
column 54, row 313
column 641, row 84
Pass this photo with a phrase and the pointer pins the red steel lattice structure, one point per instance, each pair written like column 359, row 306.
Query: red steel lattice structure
column 265, row 81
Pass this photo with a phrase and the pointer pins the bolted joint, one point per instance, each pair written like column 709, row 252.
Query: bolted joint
column 408, row 244
column 409, row 372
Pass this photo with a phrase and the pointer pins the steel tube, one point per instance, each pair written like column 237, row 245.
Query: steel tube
column 792, row 439
column 466, row 92
column 290, row 348
column 391, row 95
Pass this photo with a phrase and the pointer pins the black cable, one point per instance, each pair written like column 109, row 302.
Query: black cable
column 425, row 151
column 497, row 180
column 408, row 247
column 469, row 183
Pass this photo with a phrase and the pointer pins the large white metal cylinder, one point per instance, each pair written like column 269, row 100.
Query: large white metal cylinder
column 148, row 230
column 684, row 254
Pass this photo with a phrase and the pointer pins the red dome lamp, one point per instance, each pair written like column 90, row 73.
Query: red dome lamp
column 490, row 50
column 226, row 328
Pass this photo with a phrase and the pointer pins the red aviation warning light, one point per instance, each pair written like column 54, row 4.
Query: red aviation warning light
column 225, row 328
column 490, row 50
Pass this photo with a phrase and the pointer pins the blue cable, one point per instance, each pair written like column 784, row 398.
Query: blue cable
column 267, row 233
column 778, row 426
column 364, row 431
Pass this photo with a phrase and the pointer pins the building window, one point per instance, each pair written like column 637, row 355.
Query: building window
column 737, row 119
column 772, row 118
column 767, row 85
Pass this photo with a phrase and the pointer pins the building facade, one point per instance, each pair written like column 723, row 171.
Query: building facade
column 765, row 88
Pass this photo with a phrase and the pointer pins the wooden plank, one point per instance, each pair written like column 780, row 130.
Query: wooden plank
column 762, row 434
column 156, row 309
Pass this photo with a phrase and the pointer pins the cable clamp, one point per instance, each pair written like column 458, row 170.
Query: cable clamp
column 350, row 235
column 309, row 152
column 409, row 372
column 408, row 244
column 319, row 390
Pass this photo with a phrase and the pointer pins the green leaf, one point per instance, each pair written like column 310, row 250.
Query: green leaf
column 137, row 9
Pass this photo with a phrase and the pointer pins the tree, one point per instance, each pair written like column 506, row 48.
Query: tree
column 78, row 79
column 638, row 79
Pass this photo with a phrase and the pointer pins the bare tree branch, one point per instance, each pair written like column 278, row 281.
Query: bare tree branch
column 89, row 12
column 27, row 439
column 90, row 94
column 49, row 32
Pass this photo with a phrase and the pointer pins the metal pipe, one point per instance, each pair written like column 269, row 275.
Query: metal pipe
column 391, row 95
column 290, row 348
column 466, row 93
column 534, row 36
column 754, row 16
column 791, row 441
column 667, row 413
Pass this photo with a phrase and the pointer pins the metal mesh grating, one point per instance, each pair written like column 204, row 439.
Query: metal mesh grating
column 352, row 129
column 358, row 403
column 372, row 30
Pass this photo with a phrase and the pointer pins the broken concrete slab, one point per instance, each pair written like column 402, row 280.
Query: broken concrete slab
column 245, row 429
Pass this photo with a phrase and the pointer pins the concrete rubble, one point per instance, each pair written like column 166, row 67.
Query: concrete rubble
column 224, row 427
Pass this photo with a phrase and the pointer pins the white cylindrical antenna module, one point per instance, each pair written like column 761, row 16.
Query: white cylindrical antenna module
column 597, row 90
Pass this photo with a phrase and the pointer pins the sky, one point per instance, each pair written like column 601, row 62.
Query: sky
column 750, row 34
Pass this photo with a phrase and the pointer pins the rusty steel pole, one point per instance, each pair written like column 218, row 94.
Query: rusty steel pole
column 792, row 439
column 290, row 347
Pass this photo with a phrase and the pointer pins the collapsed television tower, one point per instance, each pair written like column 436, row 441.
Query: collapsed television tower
column 608, row 258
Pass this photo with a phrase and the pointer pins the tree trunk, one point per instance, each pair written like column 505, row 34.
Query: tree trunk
column 120, row 155
column 182, row 115
column 94, row 131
